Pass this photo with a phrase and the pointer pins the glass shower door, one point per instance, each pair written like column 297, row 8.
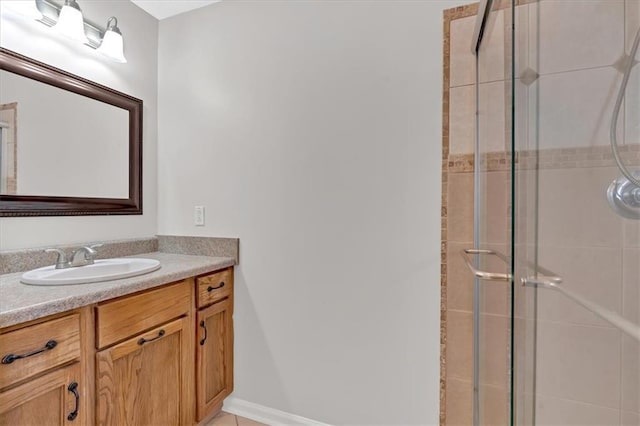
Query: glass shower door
column 492, row 227
column 577, row 316
column 557, row 213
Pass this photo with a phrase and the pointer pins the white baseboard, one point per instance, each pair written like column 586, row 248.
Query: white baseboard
column 262, row 414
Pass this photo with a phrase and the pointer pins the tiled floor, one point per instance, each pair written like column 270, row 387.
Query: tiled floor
column 226, row 419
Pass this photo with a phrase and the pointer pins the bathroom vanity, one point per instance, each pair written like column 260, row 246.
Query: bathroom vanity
column 153, row 349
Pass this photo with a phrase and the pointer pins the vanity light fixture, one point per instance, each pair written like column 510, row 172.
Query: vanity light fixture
column 112, row 45
column 68, row 20
column 71, row 23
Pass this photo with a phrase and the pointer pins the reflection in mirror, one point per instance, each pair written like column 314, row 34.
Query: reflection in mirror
column 8, row 126
column 66, row 144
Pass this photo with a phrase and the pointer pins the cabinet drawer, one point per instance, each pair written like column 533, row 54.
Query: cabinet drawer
column 131, row 315
column 214, row 287
column 37, row 348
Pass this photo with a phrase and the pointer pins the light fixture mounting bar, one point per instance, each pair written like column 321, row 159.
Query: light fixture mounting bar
column 50, row 12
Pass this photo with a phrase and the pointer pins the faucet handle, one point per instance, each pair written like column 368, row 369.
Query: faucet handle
column 90, row 251
column 61, row 262
column 84, row 255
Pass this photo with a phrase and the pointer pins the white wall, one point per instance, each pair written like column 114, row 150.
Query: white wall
column 137, row 78
column 312, row 131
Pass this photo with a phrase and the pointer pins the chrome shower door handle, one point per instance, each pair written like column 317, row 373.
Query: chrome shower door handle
column 545, row 280
column 485, row 275
column 542, row 278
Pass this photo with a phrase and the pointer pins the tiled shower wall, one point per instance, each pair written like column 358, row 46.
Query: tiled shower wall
column 567, row 68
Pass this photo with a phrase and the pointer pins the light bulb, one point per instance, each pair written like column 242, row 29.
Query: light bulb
column 70, row 22
column 112, row 45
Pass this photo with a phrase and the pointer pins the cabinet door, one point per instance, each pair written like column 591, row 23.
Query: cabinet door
column 52, row 399
column 214, row 375
column 147, row 380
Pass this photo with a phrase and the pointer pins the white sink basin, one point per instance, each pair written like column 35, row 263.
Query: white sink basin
column 101, row 270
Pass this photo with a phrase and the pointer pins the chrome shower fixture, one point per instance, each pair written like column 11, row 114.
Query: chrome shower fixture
column 624, row 193
column 624, row 197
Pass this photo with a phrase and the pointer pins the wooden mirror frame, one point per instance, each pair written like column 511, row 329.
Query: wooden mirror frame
column 36, row 205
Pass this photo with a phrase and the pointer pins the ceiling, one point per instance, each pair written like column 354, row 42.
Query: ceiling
column 161, row 9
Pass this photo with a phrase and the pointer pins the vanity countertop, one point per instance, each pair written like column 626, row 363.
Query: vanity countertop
column 21, row 303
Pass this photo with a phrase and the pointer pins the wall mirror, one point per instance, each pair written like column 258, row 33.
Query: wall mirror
column 68, row 146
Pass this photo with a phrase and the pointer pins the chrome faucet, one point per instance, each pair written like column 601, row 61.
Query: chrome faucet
column 80, row 257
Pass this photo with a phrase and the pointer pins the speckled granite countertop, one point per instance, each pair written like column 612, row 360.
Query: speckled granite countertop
column 20, row 302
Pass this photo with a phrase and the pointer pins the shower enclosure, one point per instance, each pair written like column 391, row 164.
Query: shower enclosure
column 557, row 265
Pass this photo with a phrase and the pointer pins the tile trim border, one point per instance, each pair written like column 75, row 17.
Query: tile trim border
column 558, row 158
column 449, row 15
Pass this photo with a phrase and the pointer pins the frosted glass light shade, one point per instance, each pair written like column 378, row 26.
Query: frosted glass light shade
column 112, row 46
column 26, row 8
column 70, row 22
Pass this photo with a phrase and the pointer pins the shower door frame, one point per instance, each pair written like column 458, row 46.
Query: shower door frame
column 485, row 8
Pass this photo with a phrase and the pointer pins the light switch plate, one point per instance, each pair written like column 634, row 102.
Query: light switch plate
column 198, row 216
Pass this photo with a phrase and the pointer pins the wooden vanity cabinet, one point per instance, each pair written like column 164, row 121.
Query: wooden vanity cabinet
column 146, row 378
column 214, row 361
column 162, row 356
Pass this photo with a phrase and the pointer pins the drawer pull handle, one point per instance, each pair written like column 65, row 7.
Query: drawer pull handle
column 204, row 326
column 73, row 388
column 210, row 289
column 142, row 340
column 8, row 359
